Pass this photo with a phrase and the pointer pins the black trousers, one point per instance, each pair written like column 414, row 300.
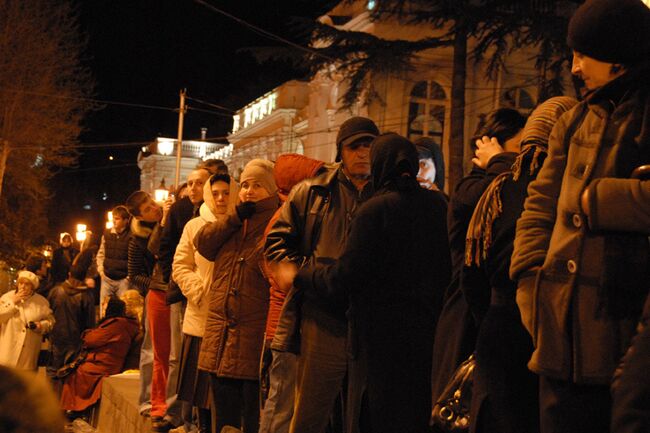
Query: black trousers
column 235, row 403
column 567, row 407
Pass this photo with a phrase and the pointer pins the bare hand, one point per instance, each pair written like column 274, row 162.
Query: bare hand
column 284, row 273
column 167, row 205
column 19, row 296
column 90, row 283
column 486, row 148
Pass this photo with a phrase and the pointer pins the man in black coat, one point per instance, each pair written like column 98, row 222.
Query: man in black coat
column 394, row 268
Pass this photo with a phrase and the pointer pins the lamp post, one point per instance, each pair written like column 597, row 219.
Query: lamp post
column 161, row 193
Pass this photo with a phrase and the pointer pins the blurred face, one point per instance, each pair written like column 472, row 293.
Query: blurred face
column 119, row 222
column 25, row 286
column 66, row 242
column 220, row 194
column 356, row 158
column 252, row 190
column 195, row 182
column 593, row 72
column 427, row 171
column 150, row 211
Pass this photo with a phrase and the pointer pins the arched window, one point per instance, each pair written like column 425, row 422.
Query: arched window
column 517, row 98
column 427, row 111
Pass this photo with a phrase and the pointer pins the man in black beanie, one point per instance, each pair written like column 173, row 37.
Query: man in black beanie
column 581, row 255
column 313, row 226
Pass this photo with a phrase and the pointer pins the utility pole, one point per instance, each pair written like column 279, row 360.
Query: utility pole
column 179, row 149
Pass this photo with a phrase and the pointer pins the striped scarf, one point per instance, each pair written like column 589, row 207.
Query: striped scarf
column 534, row 145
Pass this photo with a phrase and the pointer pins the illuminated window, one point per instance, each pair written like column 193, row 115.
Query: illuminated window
column 427, row 111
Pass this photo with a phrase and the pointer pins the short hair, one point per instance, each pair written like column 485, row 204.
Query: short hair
column 213, row 166
column 135, row 200
column 502, row 124
column 34, row 262
column 122, row 211
column 219, row 177
column 28, row 404
column 82, row 262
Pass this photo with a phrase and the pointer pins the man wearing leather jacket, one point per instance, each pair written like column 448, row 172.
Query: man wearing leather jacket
column 313, row 227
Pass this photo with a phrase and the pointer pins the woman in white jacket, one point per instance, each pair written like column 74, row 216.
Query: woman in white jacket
column 24, row 317
column 193, row 274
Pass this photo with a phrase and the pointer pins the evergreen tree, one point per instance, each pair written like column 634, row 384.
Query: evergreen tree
column 497, row 27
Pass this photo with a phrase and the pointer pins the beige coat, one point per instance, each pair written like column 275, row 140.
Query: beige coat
column 193, row 272
column 563, row 255
column 19, row 346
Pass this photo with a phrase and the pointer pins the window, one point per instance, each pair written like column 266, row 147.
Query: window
column 427, row 111
column 517, row 98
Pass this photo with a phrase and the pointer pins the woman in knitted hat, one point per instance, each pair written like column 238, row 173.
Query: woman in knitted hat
column 503, row 346
column 24, row 317
column 238, row 299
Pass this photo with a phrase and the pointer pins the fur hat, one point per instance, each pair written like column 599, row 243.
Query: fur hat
column 612, row 31
column 29, row 276
column 261, row 171
column 353, row 129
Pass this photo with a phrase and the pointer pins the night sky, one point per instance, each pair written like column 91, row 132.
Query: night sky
column 144, row 52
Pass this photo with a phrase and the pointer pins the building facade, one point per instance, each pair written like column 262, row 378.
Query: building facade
column 304, row 117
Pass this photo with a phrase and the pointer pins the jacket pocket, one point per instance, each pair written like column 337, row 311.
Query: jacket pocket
column 527, row 300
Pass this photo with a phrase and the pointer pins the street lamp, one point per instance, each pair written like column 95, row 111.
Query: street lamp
column 109, row 222
column 81, row 232
column 160, row 194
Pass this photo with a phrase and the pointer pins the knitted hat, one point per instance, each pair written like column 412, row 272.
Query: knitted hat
column 260, row 170
column 29, row 276
column 612, row 31
column 353, row 129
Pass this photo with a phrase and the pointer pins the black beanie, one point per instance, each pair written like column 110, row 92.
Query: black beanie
column 353, row 129
column 115, row 308
column 612, row 31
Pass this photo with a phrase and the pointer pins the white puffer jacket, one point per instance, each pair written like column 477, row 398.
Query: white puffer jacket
column 193, row 272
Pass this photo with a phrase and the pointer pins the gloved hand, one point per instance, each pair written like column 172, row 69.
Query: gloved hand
column 245, row 210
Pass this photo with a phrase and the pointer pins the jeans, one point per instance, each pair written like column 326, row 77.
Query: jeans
column 112, row 287
column 146, row 364
column 278, row 408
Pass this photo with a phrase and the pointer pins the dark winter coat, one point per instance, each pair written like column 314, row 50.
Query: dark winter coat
column 74, row 312
column 313, row 225
column 503, row 346
column 583, row 277
column 143, row 256
column 107, row 347
column 456, row 331
column 239, row 296
column 395, row 267
column 61, row 261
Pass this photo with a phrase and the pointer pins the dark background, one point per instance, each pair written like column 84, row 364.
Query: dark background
column 145, row 52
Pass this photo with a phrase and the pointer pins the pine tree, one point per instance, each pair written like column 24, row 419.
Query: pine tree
column 497, row 27
column 42, row 103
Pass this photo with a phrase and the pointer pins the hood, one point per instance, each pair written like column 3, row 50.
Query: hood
column 292, row 168
column 73, row 290
column 438, row 159
column 393, row 160
column 141, row 229
column 208, row 210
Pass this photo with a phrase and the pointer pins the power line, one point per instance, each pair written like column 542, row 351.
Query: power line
column 201, row 110
column 262, row 31
column 211, row 104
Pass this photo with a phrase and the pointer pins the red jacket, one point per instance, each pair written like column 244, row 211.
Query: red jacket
column 290, row 169
column 107, row 347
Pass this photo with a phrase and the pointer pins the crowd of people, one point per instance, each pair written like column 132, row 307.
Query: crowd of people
column 310, row 296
